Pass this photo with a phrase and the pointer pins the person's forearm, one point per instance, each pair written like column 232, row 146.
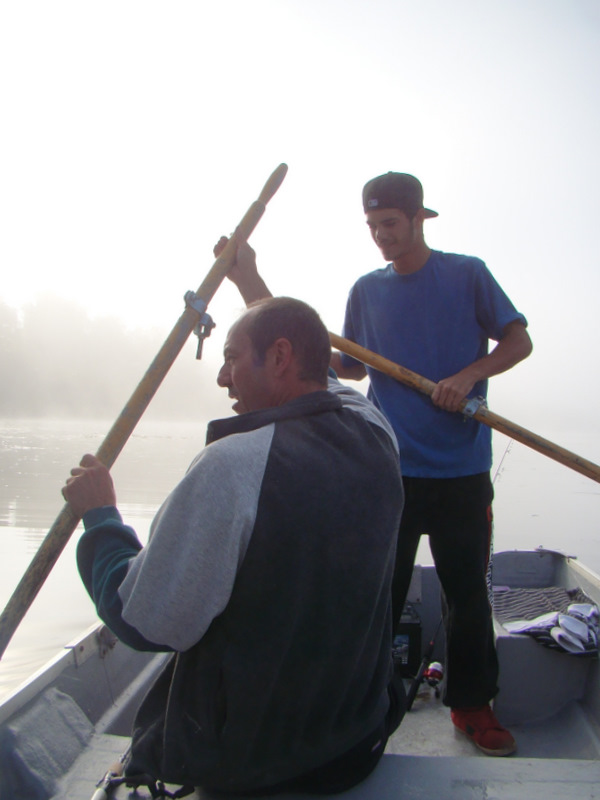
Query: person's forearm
column 252, row 287
column 244, row 272
column 354, row 373
column 514, row 346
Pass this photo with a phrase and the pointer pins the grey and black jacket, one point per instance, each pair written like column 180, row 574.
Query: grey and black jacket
column 268, row 572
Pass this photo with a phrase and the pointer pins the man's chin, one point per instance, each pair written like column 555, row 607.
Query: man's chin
column 239, row 407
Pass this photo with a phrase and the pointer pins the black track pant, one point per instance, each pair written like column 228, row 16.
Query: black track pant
column 456, row 515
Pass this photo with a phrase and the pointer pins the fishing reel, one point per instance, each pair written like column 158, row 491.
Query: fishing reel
column 433, row 675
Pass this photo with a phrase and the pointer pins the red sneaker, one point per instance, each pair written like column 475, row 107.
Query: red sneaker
column 482, row 727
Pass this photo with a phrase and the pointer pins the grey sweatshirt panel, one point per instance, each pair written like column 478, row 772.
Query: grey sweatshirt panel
column 218, row 499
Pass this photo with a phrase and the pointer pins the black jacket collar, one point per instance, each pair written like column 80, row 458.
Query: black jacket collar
column 312, row 403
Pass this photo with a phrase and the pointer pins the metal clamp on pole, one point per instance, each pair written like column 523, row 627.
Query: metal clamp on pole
column 205, row 323
column 473, row 405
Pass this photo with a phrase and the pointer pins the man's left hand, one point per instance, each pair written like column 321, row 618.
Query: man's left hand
column 450, row 392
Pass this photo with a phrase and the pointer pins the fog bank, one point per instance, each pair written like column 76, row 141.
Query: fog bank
column 58, row 361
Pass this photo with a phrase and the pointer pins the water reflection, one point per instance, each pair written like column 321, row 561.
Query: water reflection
column 35, row 459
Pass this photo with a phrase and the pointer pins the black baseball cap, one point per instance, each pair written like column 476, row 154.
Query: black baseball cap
column 395, row 190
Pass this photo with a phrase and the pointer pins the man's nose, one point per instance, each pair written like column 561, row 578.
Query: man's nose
column 223, row 377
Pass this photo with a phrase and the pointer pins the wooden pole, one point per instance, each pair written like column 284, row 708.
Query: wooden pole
column 482, row 414
column 66, row 522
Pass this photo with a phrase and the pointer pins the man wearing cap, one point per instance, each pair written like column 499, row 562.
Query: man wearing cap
column 435, row 313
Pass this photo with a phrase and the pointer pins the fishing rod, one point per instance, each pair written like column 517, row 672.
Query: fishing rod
column 112, row 778
column 507, row 450
column 423, row 668
column 193, row 317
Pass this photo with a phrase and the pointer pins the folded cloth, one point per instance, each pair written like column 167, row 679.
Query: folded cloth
column 585, row 611
column 566, row 640
column 590, row 614
column 518, row 603
column 575, row 627
column 575, row 631
column 543, row 622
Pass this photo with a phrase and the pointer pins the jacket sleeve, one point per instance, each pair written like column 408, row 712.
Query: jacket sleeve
column 104, row 553
column 183, row 578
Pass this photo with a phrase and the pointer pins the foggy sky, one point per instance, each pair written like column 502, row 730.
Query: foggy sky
column 57, row 361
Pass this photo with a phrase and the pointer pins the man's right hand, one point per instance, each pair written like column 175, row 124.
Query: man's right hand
column 244, row 272
column 90, row 486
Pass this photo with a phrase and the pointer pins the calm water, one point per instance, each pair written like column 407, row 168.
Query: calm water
column 35, row 460
column 538, row 502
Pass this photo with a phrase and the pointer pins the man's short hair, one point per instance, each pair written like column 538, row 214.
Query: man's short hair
column 285, row 317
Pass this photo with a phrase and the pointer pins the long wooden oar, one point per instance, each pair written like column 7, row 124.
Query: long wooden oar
column 66, row 522
column 481, row 413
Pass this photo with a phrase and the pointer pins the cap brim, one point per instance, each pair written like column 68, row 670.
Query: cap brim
column 429, row 213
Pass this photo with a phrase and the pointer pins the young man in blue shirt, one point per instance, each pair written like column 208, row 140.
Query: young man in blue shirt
column 435, row 313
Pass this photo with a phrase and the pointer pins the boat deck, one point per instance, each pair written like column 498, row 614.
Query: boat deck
column 548, row 699
column 407, row 771
column 428, row 731
column 413, row 778
column 557, row 758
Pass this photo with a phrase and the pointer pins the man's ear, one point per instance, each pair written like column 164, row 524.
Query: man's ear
column 420, row 217
column 281, row 353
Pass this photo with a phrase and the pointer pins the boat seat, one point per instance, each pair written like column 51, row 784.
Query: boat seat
column 535, row 682
column 40, row 744
column 396, row 776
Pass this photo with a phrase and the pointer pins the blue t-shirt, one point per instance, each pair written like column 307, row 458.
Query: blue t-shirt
column 435, row 322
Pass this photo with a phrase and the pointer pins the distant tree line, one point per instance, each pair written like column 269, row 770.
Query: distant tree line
column 56, row 361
